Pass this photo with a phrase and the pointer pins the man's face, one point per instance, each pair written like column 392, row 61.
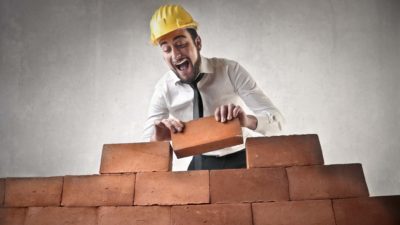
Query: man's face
column 182, row 54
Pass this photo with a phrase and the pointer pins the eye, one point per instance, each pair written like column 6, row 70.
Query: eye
column 165, row 48
column 181, row 45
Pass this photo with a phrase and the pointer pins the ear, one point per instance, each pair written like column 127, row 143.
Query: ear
column 197, row 43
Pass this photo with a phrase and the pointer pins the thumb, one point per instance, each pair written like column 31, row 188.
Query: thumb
column 159, row 125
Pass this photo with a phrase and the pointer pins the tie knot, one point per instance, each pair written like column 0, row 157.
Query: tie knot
column 194, row 83
column 199, row 77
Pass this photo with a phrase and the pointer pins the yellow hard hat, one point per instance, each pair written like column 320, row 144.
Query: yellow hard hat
column 167, row 19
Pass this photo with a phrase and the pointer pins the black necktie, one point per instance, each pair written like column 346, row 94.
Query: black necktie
column 197, row 101
column 197, row 113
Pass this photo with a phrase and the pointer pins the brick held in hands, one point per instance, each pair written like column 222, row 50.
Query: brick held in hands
column 40, row 191
column 283, row 151
column 146, row 215
column 2, row 191
column 248, row 185
column 232, row 214
column 136, row 157
column 172, row 188
column 326, row 182
column 98, row 190
column 61, row 216
column 384, row 210
column 205, row 135
column 12, row 216
column 294, row 213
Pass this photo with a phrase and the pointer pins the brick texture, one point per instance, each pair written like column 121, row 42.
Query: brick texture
column 21, row 192
column 61, row 216
column 323, row 182
column 206, row 134
column 312, row 212
column 2, row 191
column 12, row 216
column 136, row 157
column 103, row 190
column 172, row 188
column 212, row 214
column 248, row 185
column 283, row 151
column 137, row 215
column 368, row 211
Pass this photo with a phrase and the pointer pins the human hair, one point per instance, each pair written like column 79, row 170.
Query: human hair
column 193, row 33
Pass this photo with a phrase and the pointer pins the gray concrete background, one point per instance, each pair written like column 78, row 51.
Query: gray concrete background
column 77, row 74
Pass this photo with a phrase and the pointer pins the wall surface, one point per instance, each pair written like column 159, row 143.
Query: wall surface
column 77, row 74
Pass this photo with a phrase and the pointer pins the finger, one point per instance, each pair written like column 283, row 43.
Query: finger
column 223, row 113
column 239, row 111
column 178, row 126
column 169, row 125
column 236, row 111
column 176, row 122
column 230, row 111
column 180, row 123
column 217, row 114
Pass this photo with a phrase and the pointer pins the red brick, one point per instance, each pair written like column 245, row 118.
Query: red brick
column 12, row 216
column 61, row 216
column 98, row 190
column 212, row 214
column 2, row 191
column 248, row 185
column 312, row 212
column 322, row 182
column 283, row 151
column 368, row 211
column 137, row 215
column 136, row 157
column 206, row 134
column 44, row 191
column 172, row 188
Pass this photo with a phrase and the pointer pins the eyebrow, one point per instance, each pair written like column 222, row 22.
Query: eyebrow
column 179, row 36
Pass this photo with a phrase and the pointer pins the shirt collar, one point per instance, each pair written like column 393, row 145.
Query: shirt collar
column 205, row 67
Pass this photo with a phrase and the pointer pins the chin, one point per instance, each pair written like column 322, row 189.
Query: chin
column 186, row 79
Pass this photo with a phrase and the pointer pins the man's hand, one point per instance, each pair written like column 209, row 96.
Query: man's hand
column 231, row 111
column 163, row 129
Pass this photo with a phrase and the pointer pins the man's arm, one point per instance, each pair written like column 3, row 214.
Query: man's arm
column 267, row 117
column 158, row 126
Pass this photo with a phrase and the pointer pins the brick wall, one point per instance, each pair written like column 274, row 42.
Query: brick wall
column 286, row 183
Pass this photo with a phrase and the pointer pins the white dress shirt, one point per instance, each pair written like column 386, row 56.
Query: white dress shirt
column 224, row 82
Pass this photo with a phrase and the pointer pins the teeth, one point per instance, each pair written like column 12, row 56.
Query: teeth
column 181, row 62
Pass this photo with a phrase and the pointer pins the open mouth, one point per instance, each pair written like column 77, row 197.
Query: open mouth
column 182, row 65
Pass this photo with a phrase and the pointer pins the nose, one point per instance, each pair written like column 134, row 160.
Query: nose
column 176, row 54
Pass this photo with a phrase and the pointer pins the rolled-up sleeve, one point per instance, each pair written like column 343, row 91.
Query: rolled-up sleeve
column 270, row 120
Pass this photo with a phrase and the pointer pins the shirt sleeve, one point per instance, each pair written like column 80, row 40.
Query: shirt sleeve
column 269, row 118
column 158, row 110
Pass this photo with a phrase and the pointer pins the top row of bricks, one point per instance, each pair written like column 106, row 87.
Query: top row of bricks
column 278, row 151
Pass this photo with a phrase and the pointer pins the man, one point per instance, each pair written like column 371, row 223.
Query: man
column 197, row 86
